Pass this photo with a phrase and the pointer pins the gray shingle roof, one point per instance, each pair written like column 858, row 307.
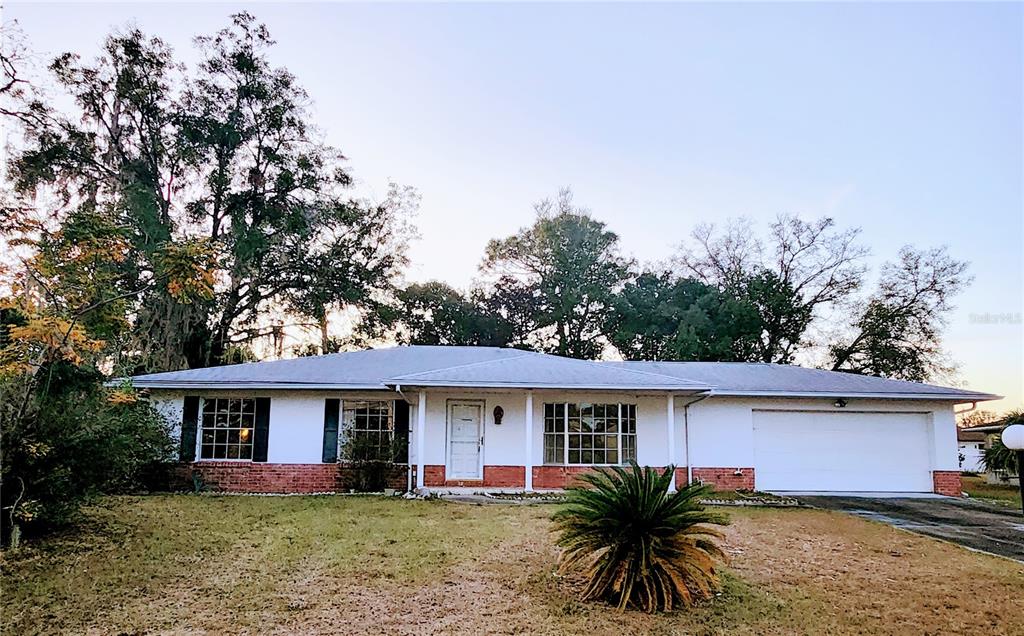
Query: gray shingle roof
column 491, row 367
column 752, row 378
column 353, row 370
column 537, row 370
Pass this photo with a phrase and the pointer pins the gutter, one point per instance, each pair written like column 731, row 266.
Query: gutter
column 972, row 398
column 959, row 398
column 686, row 437
column 973, row 406
column 272, row 386
column 551, row 387
column 708, row 391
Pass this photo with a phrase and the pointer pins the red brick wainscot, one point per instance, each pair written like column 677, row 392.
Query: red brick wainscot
column 545, row 477
column 494, row 477
column 726, row 478
column 258, row 477
column 947, row 482
column 681, row 477
column 556, row 476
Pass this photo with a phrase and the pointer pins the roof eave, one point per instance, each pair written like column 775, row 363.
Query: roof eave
column 956, row 397
column 542, row 386
column 985, row 428
column 319, row 386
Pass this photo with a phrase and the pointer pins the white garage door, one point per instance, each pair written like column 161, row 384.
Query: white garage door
column 827, row 451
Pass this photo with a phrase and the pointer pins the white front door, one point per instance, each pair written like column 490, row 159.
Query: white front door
column 465, row 440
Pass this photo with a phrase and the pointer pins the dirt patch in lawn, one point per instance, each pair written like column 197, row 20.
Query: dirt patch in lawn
column 870, row 577
column 808, row 573
column 344, row 565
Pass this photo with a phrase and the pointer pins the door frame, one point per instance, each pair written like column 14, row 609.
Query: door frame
column 451, row 402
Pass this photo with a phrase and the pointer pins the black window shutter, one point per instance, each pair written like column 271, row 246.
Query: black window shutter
column 402, row 431
column 262, row 435
column 189, row 423
column 331, row 408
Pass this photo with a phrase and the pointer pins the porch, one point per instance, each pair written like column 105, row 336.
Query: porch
column 539, row 439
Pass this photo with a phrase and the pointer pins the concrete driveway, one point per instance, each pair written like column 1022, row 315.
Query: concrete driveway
column 972, row 524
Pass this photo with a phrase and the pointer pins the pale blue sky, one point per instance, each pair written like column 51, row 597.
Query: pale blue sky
column 905, row 120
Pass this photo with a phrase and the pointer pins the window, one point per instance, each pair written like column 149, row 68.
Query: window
column 589, row 433
column 227, row 430
column 369, row 429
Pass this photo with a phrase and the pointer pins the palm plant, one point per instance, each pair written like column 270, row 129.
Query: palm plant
column 640, row 545
column 999, row 457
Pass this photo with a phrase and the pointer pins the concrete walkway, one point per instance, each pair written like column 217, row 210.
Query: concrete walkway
column 969, row 523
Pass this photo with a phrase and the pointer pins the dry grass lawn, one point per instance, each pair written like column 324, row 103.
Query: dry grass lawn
column 220, row 564
column 999, row 494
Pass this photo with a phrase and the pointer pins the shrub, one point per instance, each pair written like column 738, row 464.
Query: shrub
column 372, row 463
column 998, row 457
column 78, row 440
column 640, row 545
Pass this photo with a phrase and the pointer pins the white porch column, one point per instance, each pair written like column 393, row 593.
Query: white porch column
column 421, row 425
column 671, row 427
column 528, row 462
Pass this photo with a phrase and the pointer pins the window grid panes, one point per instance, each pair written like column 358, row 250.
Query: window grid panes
column 588, row 434
column 371, row 425
column 227, row 428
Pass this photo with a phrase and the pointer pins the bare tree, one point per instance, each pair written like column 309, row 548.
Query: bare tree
column 898, row 334
column 803, row 267
column 976, row 418
column 726, row 257
column 821, row 263
column 18, row 95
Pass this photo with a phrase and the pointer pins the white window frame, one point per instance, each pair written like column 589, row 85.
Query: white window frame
column 344, row 430
column 199, row 430
column 565, row 432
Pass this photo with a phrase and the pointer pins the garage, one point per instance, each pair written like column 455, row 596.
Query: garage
column 848, row 451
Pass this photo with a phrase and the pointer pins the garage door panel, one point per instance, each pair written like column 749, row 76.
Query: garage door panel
column 821, row 450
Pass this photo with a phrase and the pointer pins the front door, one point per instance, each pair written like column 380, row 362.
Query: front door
column 465, row 440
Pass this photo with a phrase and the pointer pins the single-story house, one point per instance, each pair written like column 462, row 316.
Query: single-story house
column 971, row 448
column 493, row 418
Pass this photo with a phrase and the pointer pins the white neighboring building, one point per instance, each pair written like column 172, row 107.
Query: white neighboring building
column 971, row 448
column 967, row 437
column 486, row 418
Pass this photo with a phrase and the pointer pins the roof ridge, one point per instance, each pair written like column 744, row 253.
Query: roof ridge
column 461, row 366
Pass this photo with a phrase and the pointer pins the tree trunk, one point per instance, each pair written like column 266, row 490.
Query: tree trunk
column 325, row 338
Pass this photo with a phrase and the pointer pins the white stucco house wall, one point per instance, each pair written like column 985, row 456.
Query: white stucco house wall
column 491, row 418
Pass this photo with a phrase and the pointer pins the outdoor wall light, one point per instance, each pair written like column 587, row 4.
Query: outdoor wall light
column 840, row 403
column 498, row 414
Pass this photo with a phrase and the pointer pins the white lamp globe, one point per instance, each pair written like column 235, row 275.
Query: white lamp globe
column 1013, row 437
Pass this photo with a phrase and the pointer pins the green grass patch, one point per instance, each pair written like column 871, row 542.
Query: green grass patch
column 132, row 547
column 327, row 565
column 1003, row 495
